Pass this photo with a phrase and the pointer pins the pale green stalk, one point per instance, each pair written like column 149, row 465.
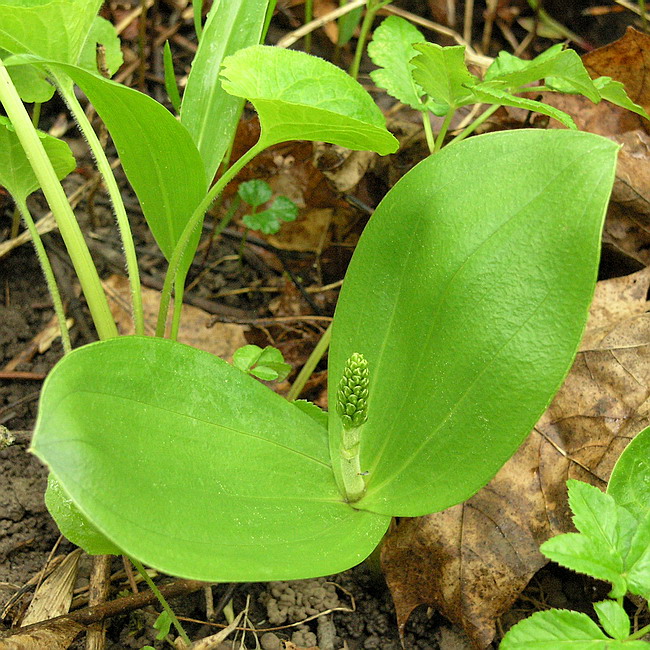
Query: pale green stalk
column 58, row 202
column 173, row 277
column 639, row 634
column 47, row 272
column 443, row 130
column 428, row 133
column 476, row 123
column 161, row 599
column 66, row 90
column 372, row 7
column 305, row 373
column 309, row 16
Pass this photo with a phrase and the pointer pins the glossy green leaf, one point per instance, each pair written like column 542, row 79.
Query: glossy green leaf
column 52, row 29
column 468, row 294
column 208, row 112
column 559, row 629
column 629, row 483
column 391, row 49
column 16, row 173
column 614, row 92
column 442, row 73
column 157, row 154
column 613, row 618
column 492, row 93
column 162, row 447
column 302, row 97
column 102, row 32
column 73, row 524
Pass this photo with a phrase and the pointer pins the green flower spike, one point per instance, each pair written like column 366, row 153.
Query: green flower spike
column 352, row 408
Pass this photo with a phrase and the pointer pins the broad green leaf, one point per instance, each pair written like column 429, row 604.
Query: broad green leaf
column 442, row 73
column 52, row 29
column 629, row 483
column 31, row 82
column 613, row 618
column 584, row 554
column 16, row 173
column 557, row 65
column 448, row 304
column 557, row 629
column 195, row 468
column 208, row 112
column 302, row 97
column 492, row 93
column 638, row 560
column 313, row 411
column 157, row 154
column 104, row 33
column 391, row 49
column 73, row 524
column 614, row 92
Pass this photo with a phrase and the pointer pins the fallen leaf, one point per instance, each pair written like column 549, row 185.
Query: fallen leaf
column 220, row 339
column 472, row 561
column 56, row 636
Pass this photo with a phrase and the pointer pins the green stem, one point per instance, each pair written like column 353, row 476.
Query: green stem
column 47, row 272
column 353, row 481
column 197, row 6
column 309, row 16
column 305, row 373
column 193, row 223
column 443, row 130
column 476, row 123
column 66, row 90
column 58, row 202
column 639, row 634
column 372, row 7
column 161, row 599
column 36, row 114
column 426, row 123
column 178, row 308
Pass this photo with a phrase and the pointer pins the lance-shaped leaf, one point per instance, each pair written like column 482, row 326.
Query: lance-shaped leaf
column 614, row 92
column 16, row 173
column 391, row 49
column 302, row 97
column 467, row 294
column 209, row 113
column 442, row 73
column 164, row 450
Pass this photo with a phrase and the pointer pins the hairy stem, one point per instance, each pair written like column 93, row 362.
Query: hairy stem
column 104, row 167
column 58, row 202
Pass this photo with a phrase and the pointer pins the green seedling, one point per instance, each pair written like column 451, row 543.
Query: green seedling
column 460, row 315
column 267, row 364
column 269, row 221
column 612, row 544
column 435, row 79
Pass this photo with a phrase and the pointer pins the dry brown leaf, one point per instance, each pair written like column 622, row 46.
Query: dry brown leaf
column 221, row 339
column 628, row 61
column 472, row 561
column 56, row 636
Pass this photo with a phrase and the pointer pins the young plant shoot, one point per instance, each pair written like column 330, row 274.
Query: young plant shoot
column 460, row 315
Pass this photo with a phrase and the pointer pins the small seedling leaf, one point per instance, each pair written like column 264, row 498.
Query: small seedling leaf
column 163, row 624
column 208, row 112
column 246, row 357
column 494, row 93
column 391, row 49
column 16, row 173
column 557, row 629
column 613, row 618
column 255, row 192
column 302, row 97
column 614, row 92
column 269, row 221
column 207, row 489
column 443, row 75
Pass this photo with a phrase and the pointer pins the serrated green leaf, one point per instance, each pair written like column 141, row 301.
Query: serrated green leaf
column 508, row 64
column 629, row 483
column 493, row 93
column 102, row 32
column 594, row 513
column 557, row 629
column 614, row 92
column 208, row 112
column 443, row 75
column 162, row 448
column 391, row 49
column 16, row 173
column 613, row 618
column 255, row 192
column 269, row 221
column 443, row 302
column 302, row 97
column 72, row 524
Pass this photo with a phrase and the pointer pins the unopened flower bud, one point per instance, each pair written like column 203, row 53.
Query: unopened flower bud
column 352, row 394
